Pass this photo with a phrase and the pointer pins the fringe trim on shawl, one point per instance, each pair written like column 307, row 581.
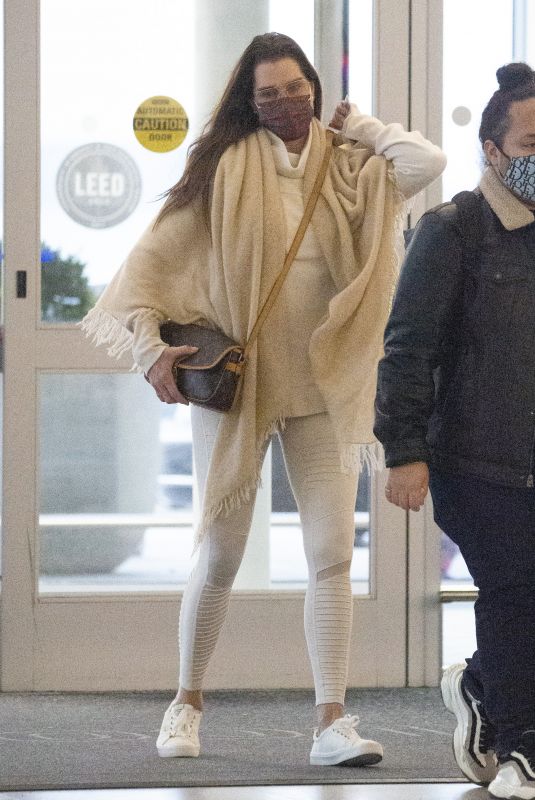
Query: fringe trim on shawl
column 235, row 500
column 103, row 328
column 357, row 457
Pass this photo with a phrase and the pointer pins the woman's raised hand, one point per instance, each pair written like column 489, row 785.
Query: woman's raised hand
column 340, row 113
column 407, row 485
column 160, row 375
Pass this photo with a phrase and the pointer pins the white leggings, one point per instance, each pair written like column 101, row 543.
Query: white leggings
column 325, row 497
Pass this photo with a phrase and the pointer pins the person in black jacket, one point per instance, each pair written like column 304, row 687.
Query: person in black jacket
column 455, row 412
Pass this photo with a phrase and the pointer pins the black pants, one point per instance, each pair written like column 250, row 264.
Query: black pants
column 494, row 527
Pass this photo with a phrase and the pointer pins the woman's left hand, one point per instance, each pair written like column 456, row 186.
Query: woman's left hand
column 340, row 113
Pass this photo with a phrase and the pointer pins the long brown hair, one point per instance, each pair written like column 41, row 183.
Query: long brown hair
column 233, row 119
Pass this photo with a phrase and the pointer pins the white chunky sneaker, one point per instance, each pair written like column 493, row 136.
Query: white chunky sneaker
column 473, row 738
column 340, row 744
column 516, row 777
column 179, row 734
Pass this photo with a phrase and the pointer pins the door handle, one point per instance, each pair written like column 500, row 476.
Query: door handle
column 21, row 283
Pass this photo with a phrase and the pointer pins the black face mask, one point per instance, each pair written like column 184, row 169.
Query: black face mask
column 288, row 118
column 520, row 176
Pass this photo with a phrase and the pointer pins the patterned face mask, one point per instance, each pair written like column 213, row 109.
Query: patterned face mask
column 287, row 117
column 520, row 177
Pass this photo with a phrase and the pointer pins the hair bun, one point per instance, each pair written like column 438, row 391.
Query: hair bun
column 513, row 76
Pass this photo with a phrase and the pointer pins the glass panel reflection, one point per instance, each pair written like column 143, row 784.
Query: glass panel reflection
column 99, row 183
column 117, row 491
column 529, row 34
column 294, row 19
column 469, row 82
column 103, row 446
column 360, row 66
column 453, row 570
column 458, row 632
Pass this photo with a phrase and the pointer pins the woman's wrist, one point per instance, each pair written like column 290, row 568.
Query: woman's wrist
column 361, row 127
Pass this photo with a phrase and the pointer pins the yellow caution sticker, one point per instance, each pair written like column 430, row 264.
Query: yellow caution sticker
column 160, row 124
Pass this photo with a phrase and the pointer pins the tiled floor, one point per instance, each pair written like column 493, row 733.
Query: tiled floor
column 456, row 791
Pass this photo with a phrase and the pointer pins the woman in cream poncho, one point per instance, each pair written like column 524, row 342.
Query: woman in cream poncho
column 211, row 258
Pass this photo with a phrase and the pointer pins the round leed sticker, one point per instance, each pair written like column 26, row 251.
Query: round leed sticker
column 98, row 185
column 160, row 124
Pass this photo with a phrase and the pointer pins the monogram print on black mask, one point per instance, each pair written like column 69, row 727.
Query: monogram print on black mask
column 520, row 177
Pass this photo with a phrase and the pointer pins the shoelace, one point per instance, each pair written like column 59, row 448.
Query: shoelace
column 346, row 725
column 487, row 734
column 486, row 740
column 186, row 723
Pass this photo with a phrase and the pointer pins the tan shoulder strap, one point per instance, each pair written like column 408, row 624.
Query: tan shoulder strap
column 298, row 238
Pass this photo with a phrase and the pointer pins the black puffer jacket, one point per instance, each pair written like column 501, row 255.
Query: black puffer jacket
column 456, row 387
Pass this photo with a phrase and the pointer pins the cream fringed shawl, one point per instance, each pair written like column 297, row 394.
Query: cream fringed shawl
column 221, row 281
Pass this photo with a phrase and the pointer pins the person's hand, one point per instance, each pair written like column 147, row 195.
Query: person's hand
column 407, row 485
column 340, row 113
column 160, row 375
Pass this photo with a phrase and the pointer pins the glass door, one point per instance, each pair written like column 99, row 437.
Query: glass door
column 99, row 501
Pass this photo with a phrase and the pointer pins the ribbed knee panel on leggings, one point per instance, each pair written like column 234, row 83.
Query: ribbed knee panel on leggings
column 206, row 598
column 328, row 617
column 201, row 618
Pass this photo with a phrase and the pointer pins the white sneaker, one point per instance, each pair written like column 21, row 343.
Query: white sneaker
column 341, row 744
column 474, row 736
column 179, row 734
column 513, row 783
column 516, row 777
